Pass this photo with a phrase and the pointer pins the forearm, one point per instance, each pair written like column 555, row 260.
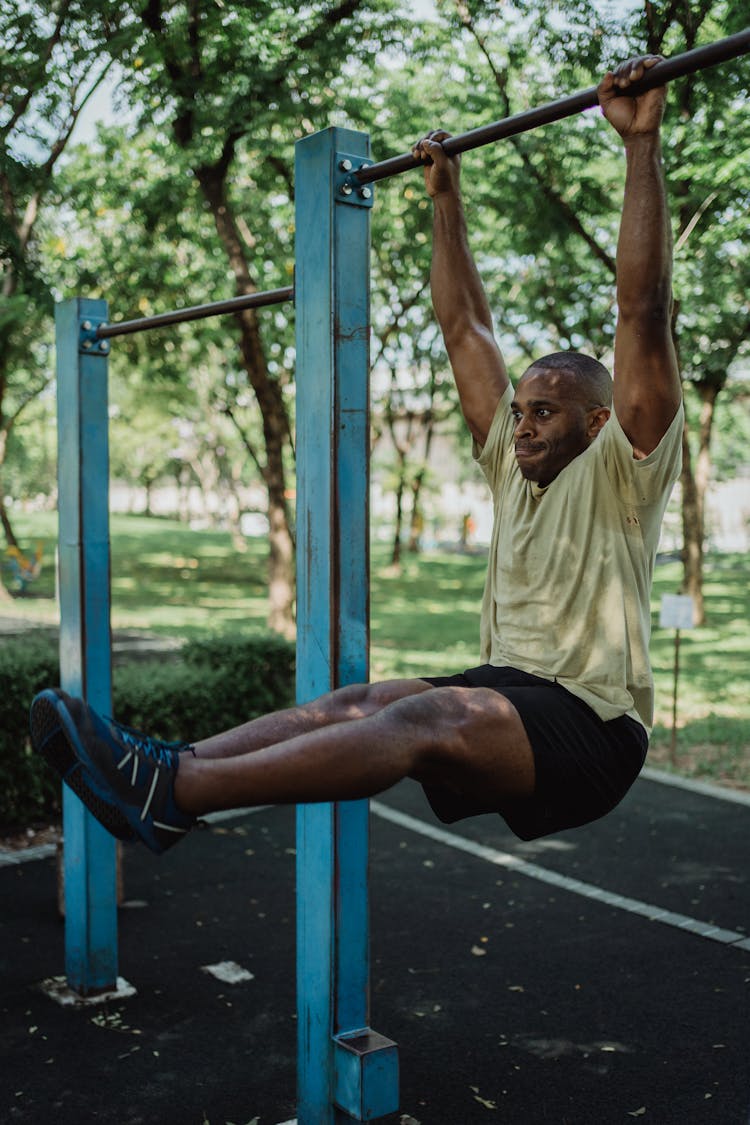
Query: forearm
column 458, row 295
column 644, row 249
column 647, row 388
column 464, row 316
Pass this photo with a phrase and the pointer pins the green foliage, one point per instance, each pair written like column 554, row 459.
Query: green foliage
column 228, row 88
column 713, row 718
column 50, row 63
column 425, row 620
column 731, row 433
column 28, row 790
column 216, row 684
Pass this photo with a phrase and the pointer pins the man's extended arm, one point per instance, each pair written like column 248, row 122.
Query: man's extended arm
column 647, row 389
column 458, row 296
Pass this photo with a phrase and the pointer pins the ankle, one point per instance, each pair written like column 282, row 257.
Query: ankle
column 184, row 791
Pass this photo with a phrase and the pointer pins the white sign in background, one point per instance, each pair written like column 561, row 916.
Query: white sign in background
column 676, row 611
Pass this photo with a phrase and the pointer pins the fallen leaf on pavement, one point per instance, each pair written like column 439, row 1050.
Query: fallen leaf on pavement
column 482, row 1101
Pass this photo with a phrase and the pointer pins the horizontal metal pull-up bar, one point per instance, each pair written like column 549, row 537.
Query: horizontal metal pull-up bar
column 197, row 312
column 666, row 71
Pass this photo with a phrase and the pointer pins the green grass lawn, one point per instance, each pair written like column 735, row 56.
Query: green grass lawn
column 713, row 702
column 167, row 579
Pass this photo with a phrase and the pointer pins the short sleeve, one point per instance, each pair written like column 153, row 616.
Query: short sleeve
column 492, row 456
column 644, row 481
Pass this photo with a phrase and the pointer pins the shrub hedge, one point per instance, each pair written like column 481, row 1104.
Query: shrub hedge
column 215, row 684
column 28, row 790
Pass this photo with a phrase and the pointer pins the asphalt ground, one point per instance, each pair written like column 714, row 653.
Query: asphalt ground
column 600, row 976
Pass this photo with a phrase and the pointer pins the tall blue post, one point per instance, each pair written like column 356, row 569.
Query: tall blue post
column 345, row 1071
column 85, row 661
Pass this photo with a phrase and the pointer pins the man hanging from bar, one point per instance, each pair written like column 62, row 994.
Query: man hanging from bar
column 551, row 729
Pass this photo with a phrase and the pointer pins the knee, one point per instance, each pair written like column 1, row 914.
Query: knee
column 464, row 707
column 341, row 704
column 454, row 721
column 436, row 723
column 361, row 701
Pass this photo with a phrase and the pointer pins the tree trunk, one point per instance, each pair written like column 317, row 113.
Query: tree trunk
column 10, row 535
column 401, row 448
column 276, row 424
column 280, row 561
column 417, row 520
column 695, row 482
column 5, row 595
column 277, row 437
column 396, row 553
column 692, row 534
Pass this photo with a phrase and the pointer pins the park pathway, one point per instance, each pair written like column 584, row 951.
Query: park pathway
column 597, row 977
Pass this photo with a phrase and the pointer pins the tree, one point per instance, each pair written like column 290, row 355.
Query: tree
column 708, row 167
column 235, row 83
column 50, row 65
column 171, row 389
column 414, row 397
column 563, row 176
column 192, row 199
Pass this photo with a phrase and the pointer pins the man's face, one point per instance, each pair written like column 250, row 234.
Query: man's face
column 554, row 423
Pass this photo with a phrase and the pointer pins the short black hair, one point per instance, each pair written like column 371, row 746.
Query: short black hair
column 590, row 375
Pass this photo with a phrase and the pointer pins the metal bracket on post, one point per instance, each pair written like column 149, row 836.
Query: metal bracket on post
column 89, row 342
column 85, row 649
column 366, row 1074
column 345, row 1071
column 345, row 186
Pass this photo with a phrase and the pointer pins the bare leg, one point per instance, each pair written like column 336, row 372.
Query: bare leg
column 470, row 739
column 356, row 701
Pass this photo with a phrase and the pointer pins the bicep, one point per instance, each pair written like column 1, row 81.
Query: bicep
column 481, row 377
column 647, row 387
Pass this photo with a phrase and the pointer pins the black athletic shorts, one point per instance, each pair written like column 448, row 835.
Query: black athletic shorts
column 584, row 765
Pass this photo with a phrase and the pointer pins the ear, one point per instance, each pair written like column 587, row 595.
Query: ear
column 597, row 418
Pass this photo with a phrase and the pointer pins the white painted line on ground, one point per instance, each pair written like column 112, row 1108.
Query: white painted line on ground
column 705, row 788
column 10, row 857
column 563, row 882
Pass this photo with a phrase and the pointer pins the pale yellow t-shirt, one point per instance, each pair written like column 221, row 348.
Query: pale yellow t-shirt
column 567, row 594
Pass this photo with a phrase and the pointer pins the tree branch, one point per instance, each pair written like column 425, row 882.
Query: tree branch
column 73, row 115
column 281, row 167
column 548, row 191
column 50, row 45
column 397, row 321
column 691, row 225
column 247, row 444
column 330, row 19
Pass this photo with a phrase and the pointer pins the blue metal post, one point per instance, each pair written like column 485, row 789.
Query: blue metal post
column 345, row 1071
column 85, row 661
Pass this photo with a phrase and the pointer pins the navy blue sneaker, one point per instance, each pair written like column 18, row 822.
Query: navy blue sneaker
column 49, row 739
column 119, row 770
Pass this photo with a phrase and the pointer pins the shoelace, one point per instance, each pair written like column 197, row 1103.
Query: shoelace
column 154, row 748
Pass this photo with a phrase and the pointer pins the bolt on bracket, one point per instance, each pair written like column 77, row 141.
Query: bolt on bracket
column 346, row 186
column 88, row 341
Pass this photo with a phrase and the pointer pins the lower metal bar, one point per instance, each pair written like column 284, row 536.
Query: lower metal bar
column 197, row 312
